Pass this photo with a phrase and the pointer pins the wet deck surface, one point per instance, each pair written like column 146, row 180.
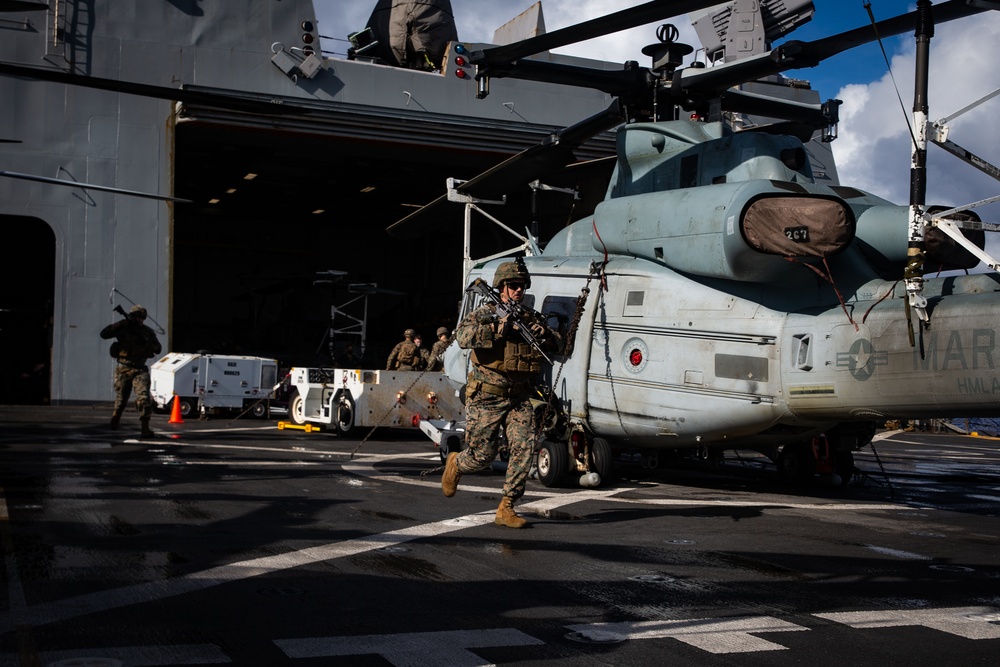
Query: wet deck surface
column 231, row 542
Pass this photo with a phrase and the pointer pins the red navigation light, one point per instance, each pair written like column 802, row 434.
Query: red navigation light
column 460, row 73
column 416, row 420
column 635, row 357
column 460, row 61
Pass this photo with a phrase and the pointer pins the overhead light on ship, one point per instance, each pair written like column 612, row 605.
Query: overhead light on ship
column 250, row 177
column 308, row 37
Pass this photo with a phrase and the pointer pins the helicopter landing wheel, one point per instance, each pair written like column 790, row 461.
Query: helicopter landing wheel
column 600, row 459
column 650, row 460
column 553, row 461
column 843, row 465
column 796, row 462
column 451, row 444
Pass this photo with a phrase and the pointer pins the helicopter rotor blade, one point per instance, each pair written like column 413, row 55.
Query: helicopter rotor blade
column 554, row 152
column 633, row 17
column 220, row 98
column 693, row 85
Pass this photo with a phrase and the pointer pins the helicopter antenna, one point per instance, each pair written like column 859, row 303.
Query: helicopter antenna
column 888, row 67
column 528, row 245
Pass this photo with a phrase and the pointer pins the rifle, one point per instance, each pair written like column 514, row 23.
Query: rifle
column 515, row 311
column 121, row 311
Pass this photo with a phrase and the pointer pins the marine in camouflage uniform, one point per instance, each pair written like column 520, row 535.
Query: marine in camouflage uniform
column 406, row 355
column 504, row 371
column 436, row 362
column 423, row 355
column 135, row 343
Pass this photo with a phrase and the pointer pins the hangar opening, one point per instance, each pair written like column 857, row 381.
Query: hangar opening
column 289, row 220
column 28, row 268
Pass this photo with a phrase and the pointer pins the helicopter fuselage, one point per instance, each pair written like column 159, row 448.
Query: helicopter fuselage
column 663, row 360
column 747, row 306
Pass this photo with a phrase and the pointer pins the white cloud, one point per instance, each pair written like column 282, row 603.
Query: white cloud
column 873, row 151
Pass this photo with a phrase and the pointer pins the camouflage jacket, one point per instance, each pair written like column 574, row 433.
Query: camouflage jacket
column 476, row 333
column 437, row 355
column 405, row 356
column 135, row 342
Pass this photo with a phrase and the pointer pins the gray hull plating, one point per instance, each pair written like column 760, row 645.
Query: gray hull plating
column 111, row 248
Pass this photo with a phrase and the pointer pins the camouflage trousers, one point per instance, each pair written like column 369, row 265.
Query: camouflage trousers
column 128, row 378
column 486, row 414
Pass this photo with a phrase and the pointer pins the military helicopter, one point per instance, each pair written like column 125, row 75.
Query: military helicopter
column 719, row 297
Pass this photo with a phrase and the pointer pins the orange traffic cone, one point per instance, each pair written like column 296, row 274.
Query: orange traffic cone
column 175, row 413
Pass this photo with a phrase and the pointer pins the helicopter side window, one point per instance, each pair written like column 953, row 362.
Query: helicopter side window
column 689, row 171
column 558, row 312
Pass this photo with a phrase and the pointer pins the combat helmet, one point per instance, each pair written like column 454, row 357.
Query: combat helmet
column 409, row 333
column 137, row 310
column 512, row 271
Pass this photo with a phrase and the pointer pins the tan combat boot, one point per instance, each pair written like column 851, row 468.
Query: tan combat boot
column 449, row 480
column 506, row 515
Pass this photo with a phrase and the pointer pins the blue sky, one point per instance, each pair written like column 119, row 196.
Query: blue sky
column 861, row 65
column 873, row 149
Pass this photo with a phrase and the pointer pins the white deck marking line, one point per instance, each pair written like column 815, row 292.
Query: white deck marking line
column 715, row 635
column 412, row 649
column 905, row 555
column 196, row 581
column 150, row 591
column 967, row 622
column 140, row 656
column 351, row 465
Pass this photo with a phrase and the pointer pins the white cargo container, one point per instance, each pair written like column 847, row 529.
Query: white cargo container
column 209, row 382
